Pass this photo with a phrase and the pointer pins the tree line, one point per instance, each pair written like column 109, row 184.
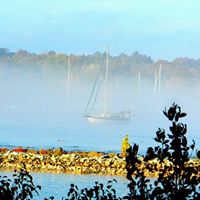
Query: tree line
column 181, row 70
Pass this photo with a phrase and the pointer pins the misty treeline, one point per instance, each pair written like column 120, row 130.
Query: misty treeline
column 181, row 71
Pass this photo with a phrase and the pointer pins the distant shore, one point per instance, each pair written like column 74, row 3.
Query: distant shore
column 59, row 161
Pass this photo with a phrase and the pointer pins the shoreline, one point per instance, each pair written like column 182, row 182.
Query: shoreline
column 58, row 161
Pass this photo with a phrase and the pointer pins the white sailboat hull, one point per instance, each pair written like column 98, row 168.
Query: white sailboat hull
column 119, row 117
column 95, row 120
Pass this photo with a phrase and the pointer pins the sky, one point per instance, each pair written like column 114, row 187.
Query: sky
column 162, row 29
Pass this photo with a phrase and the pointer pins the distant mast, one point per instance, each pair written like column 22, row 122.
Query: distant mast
column 157, row 80
column 106, row 84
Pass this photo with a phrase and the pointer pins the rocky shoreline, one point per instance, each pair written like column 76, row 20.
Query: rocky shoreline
column 58, row 161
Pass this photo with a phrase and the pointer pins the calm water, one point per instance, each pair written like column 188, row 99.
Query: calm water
column 57, row 185
column 77, row 134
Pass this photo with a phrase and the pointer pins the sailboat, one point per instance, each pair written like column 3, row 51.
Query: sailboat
column 106, row 115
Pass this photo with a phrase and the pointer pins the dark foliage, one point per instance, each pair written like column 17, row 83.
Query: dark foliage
column 177, row 179
column 98, row 192
column 21, row 187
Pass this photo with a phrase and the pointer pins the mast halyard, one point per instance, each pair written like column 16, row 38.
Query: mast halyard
column 106, row 84
column 157, row 80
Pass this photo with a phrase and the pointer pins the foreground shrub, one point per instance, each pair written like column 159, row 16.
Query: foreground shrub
column 98, row 191
column 177, row 179
column 21, row 187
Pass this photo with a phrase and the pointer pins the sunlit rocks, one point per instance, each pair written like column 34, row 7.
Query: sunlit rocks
column 58, row 161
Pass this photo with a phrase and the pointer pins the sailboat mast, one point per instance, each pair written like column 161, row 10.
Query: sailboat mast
column 106, row 84
column 159, row 80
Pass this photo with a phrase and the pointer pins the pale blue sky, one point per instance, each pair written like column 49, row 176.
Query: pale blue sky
column 159, row 28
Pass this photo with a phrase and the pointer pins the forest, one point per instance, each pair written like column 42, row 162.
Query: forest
column 181, row 71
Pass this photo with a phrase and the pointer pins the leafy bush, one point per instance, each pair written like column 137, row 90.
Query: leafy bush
column 97, row 192
column 20, row 188
column 176, row 180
